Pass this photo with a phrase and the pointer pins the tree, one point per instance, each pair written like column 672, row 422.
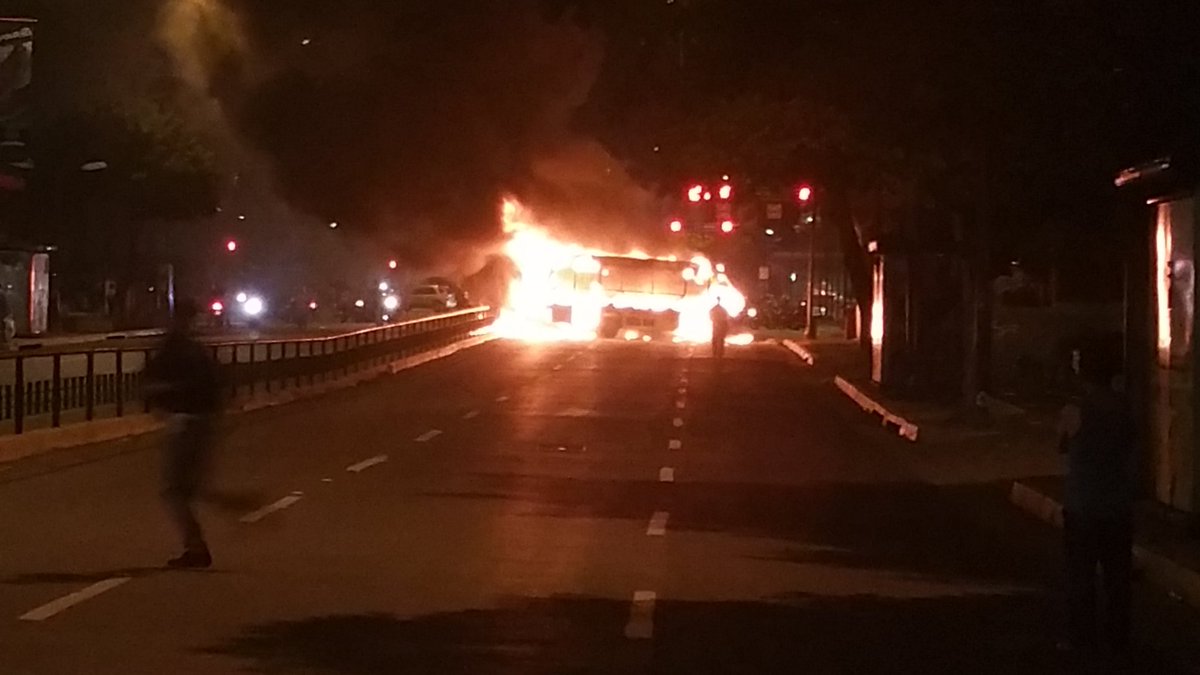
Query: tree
column 933, row 120
column 106, row 176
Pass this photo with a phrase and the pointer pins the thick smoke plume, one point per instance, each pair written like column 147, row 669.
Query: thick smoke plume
column 409, row 121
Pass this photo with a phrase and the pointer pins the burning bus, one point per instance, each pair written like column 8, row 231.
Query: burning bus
column 636, row 297
column 567, row 291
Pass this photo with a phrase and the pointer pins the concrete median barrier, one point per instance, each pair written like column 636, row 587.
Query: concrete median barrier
column 293, row 378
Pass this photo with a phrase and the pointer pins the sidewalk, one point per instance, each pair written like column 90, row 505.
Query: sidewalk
column 59, row 340
column 1016, row 448
column 951, row 449
column 1163, row 548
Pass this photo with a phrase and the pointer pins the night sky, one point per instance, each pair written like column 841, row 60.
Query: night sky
column 410, row 119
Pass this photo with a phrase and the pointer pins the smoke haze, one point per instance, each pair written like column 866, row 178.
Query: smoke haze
column 409, row 121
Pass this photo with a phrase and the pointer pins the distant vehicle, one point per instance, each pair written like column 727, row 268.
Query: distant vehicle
column 432, row 298
column 240, row 310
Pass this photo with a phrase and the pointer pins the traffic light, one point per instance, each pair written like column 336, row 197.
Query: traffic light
column 676, row 225
column 694, row 193
column 725, row 192
column 231, row 246
column 727, row 226
column 804, row 194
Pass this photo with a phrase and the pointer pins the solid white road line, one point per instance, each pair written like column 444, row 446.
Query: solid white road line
column 678, row 422
column 666, row 474
column 501, row 399
column 267, row 510
column 674, row 444
column 367, row 463
column 67, row 601
column 471, row 414
column 641, row 616
column 658, row 524
column 428, row 436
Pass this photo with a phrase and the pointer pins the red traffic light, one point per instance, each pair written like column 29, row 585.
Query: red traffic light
column 695, row 192
column 676, row 225
column 727, row 226
column 725, row 192
column 231, row 246
column 804, row 193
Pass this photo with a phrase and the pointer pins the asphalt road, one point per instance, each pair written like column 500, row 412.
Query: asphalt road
column 610, row 508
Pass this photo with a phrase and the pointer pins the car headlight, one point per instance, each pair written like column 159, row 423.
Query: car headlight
column 253, row 306
column 390, row 303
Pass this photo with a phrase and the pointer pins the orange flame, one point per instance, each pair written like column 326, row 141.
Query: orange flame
column 541, row 261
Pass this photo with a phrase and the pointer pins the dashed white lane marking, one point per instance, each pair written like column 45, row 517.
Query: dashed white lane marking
column 471, row 414
column 367, row 463
column 326, row 480
column 683, row 391
column 666, row 474
column 641, row 616
column 428, row 436
column 501, row 399
column 558, row 367
column 674, row 444
column 577, row 412
column 658, row 524
column 680, row 404
column 678, row 422
column 67, row 601
column 267, row 510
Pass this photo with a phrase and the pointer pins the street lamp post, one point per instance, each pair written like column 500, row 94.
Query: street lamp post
column 809, row 217
column 810, row 327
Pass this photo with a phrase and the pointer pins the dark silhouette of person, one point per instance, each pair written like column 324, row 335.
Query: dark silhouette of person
column 720, row 328
column 184, row 385
column 1098, row 437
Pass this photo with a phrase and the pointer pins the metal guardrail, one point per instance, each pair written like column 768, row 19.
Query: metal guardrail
column 50, row 390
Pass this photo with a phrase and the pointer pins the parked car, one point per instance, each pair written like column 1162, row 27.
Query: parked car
column 432, row 298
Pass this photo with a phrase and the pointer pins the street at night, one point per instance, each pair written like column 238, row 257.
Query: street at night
column 566, row 337
column 574, row 508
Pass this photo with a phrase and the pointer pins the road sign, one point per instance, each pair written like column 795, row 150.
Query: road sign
column 764, row 273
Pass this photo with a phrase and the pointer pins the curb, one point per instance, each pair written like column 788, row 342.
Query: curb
column 797, row 349
column 905, row 428
column 1158, row 569
column 41, row 441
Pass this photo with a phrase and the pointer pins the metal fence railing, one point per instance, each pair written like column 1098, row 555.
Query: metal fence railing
column 52, row 390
